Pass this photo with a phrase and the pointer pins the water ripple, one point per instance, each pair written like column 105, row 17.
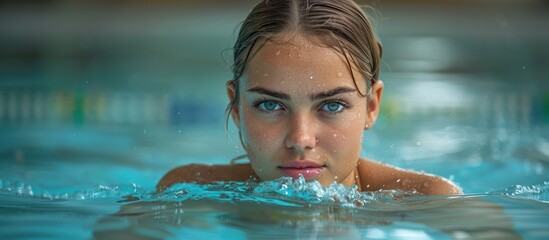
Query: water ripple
column 284, row 191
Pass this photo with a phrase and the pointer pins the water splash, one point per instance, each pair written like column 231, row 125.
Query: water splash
column 538, row 192
column 284, row 191
column 95, row 192
column 313, row 192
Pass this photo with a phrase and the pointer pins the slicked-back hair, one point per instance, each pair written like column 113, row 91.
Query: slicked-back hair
column 338, row 24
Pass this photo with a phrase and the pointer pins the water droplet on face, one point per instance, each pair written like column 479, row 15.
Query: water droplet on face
column 427, row 184
column 311, row 77
column 265, row 75
column 335, row 134
column 339, row 74
column 398, row 180
column 278, row 52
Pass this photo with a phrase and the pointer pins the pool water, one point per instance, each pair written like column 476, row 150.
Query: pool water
column 98, row 182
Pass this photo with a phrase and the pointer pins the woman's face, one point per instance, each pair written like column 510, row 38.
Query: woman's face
column 300, row 113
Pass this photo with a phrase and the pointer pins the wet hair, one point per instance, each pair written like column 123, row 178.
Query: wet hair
column 338, row 24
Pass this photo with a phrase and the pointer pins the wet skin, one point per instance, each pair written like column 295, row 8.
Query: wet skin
column 299, row 112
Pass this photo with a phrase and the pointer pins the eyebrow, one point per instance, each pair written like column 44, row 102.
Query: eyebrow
column 265, row 91
column 313, row 97
column 332, row 92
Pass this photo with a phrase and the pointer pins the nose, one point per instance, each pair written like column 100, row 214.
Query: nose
column 302, row 134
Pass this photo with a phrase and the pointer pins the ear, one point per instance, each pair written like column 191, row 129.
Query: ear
column 231, row 93
column 374, row 104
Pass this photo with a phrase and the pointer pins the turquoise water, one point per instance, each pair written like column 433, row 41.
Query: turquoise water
column 99, row 183
column 283, row 208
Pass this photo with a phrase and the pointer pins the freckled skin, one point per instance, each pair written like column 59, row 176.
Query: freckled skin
column 303, row 129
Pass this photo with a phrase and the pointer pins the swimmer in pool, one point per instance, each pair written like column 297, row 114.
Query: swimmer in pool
column 305, row 87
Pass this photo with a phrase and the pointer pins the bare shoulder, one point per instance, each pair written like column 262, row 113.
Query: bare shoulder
column 376, row 176
column 204, row 173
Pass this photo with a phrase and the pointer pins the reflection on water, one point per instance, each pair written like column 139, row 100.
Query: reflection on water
column 281, row 209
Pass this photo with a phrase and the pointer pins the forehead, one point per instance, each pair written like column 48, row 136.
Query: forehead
column 295, row 53
column 297, row 60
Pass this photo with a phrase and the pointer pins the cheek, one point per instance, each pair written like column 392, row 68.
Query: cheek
column 345, row 139
column 259, row 137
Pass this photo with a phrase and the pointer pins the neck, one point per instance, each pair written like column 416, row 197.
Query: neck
column 353, row 178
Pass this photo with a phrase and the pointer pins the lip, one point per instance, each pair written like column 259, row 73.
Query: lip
column 308, row 169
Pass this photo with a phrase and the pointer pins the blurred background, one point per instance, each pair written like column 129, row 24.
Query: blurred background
column 138, row 87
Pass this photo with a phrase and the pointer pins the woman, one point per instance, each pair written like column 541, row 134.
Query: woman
column 305, row 87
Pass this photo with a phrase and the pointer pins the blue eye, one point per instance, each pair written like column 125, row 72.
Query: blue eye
column 333, row 107
column 269, row 105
